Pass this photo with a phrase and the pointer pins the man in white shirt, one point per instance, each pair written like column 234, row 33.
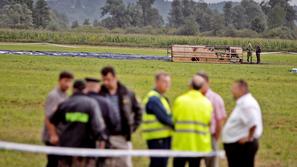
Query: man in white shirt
column 243, row 128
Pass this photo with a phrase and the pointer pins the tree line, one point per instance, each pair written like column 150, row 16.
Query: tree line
column 26, row 14
column 272, row 18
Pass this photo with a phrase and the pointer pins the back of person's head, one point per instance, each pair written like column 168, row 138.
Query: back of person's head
column 108, row 70
column 204, row 75
column 197, row 82
column 79, row 85
column 65, row 75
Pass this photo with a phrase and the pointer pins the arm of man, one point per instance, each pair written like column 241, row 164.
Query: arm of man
column 97, row 124
column 154, row 106
column 138, row 111
column 50, row 108
column 53, row 121
column 220, row 116
column 249, row 119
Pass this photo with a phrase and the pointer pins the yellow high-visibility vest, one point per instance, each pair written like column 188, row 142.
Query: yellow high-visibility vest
column 192, row 118
column 151, row 127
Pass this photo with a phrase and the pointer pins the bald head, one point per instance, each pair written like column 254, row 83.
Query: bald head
column 197, row 82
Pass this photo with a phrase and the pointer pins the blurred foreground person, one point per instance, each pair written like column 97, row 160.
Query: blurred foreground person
column 218, row 118
column 157, row 121
column 243, row 128
column 128, row 113
column 192, row 118
column 83, row 126
column 92, row 90
column 55, row 97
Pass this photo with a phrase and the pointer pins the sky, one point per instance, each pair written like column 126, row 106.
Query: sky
column 214, row 1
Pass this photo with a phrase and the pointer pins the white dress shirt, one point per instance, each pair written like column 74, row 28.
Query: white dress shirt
column 246, row 114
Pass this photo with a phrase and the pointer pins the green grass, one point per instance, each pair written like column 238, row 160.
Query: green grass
column 139, row 40
column 26, row 80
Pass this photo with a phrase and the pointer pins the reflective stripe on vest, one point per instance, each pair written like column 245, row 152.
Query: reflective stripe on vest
column 151, row 127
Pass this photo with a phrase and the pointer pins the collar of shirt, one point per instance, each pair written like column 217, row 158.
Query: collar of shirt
column 194, row 93
column 61, row 92
column 243, row 98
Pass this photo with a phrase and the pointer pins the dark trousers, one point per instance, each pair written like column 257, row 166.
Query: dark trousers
column 52, row 160
column 181, row 162
column 258, row 58
column 241, row 155
column 162, row 144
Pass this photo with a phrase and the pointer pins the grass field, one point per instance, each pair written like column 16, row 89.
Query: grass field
column 26, row 80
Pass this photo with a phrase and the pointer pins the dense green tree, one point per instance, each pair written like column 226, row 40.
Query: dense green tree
column 118, row 14
column 134, row 14
column 258, row 24
column 238, row 17
column 150, row 15
column 15, row 16
column 228, row 13
column 191, row 27
column 176, row 17
column 41, row 14
column 276, row 16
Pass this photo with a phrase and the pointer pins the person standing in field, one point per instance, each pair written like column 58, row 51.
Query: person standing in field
column 108, row 114
column 83, row 126
column 157, row 123
column 258, row 54
column 128, row 112
column 250, row 53
column 192, row 118
column 243, row 128
column 54, row 98
column 218, row 117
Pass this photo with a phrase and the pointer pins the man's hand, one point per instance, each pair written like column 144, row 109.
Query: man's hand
column 54, row 139
column 244, row 140
column 101, row 144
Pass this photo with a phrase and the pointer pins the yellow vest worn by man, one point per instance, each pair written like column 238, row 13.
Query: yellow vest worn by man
column 192, row 118
column 151, row 127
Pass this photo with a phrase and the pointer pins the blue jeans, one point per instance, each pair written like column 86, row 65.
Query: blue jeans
column 159, row 144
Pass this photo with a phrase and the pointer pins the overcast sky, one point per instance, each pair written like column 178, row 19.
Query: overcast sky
column 213, row 1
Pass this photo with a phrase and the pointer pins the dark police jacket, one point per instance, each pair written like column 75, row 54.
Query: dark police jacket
column 82, row 121
column 130, row 110
column 106, row 110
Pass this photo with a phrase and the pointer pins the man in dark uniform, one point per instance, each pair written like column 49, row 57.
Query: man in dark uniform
column 92, row 90
column 258, row 54
column 83, row 122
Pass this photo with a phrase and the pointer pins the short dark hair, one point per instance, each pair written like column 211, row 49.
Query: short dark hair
column 108, row 69
column 242, row 83
column 204, row 75
column 66, row 75
column 79, row 85
column 161, row 74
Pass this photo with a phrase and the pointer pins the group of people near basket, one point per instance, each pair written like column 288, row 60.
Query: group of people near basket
column 104, row 116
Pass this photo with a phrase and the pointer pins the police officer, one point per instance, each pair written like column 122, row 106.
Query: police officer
column 192, row 118
column 83, row 125
column 157, row 122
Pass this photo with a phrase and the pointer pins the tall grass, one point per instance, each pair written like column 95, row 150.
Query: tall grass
column 136, row 40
